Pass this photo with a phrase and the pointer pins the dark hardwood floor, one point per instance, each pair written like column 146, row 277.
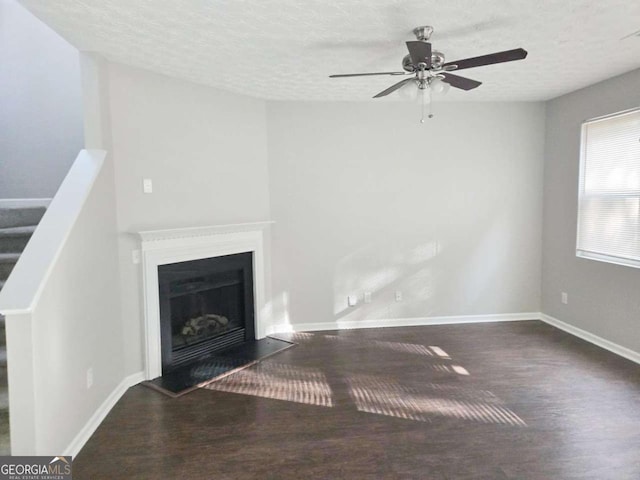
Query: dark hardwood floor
column 493, row 401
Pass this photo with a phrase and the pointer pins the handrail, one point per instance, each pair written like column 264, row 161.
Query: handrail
column 29, row 276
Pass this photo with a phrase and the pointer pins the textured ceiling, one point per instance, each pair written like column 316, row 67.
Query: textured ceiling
column 285, row 49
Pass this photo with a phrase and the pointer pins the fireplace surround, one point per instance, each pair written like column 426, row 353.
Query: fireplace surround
column 162, row 248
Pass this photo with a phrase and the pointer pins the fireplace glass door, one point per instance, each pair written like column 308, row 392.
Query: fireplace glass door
column 206, row 305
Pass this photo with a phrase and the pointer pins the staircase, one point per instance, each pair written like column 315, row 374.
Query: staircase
column 16, row 227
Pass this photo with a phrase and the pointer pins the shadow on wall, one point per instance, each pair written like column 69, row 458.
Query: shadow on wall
column 276, row 312
column 471, row 268
column 427, row 273
column 381, row 269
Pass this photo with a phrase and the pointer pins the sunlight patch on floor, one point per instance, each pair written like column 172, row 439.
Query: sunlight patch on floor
column 439, row 352
column 417, row 400
column 459, row 370
column 381, row 397
column 279, row 382
column 412, row 348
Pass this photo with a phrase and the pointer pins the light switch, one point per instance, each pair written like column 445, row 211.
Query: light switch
column 147, row 185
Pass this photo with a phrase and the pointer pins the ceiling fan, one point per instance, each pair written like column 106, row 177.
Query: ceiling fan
column 427, row 66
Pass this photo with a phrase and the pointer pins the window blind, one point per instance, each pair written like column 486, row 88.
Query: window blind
column 609, row 189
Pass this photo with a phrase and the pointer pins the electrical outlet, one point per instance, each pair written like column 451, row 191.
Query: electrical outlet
column 367, row 297
column 147, row 185
column 565, row 298
column 89, row 378
column 352, row 300
column 398, row 296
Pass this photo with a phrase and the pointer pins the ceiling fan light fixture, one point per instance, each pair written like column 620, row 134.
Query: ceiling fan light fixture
column 409, row 92
column 438, row 87
column 421, row 89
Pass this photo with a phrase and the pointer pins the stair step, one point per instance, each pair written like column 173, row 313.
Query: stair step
column 20, row 216
column 9, row 257
column 12, row 232
column 14, row 239
column 7, row 262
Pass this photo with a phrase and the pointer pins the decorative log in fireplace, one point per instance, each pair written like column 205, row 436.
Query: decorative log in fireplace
column 206, row 305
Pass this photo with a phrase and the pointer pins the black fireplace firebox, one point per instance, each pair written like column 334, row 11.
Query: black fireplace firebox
column 206, row 306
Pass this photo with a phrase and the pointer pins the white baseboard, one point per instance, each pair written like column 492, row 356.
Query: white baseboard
column 99, row 415
column 449, row 320
column 591, row 338
column 403, row 322
column 24, row 202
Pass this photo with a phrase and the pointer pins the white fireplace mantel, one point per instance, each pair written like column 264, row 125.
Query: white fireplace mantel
column 161, row 247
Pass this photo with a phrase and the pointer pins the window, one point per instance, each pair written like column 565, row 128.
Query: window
column 609, row 191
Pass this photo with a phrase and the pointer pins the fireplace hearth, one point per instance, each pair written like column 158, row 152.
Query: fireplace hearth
column 206, row 306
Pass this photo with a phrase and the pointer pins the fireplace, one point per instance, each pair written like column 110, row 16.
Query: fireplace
column 206, row 305
column 183, row 245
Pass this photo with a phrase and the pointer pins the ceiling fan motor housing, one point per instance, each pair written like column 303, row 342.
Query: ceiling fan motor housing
column 437, row 60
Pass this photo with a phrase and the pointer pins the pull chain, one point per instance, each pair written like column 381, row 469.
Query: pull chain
column 430, row 101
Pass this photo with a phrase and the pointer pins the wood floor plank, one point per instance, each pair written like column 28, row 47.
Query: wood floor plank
column 496, row 401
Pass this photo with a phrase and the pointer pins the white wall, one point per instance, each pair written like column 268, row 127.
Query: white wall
column 206, row 152
column 40, row 105
column 603, row 298
column 77, row 324
column 365, row 198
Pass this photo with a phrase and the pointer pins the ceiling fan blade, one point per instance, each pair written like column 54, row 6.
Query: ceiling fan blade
column 365, row 74
column 499, row 57
column 460, row 82
column 395, row 87
column 420, row 52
